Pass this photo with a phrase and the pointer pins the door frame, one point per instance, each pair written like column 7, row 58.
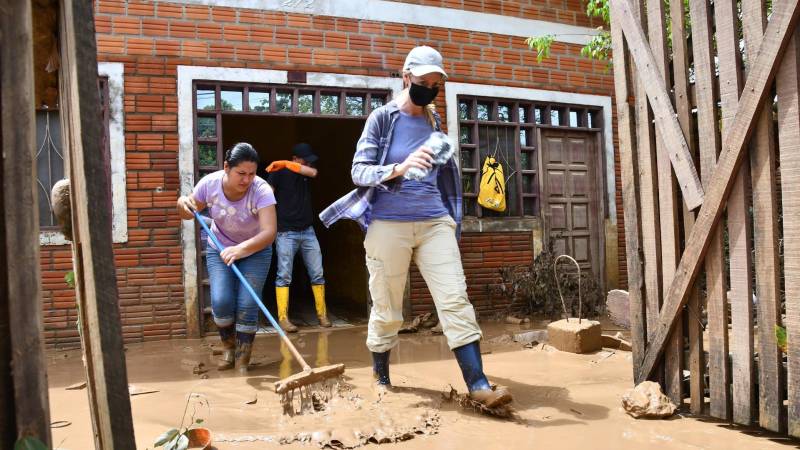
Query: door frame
column 187, row 75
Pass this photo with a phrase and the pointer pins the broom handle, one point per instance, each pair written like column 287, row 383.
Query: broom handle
column 255, row 296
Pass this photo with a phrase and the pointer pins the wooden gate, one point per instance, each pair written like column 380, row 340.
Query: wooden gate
column 709, row 132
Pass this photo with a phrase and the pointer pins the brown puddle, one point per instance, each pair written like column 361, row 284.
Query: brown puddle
column 562, row 400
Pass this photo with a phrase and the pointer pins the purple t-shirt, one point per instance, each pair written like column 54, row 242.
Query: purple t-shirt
column 234, row 222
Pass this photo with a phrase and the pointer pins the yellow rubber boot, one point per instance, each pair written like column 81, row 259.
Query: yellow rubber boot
column 319, row 301
column 282, row 297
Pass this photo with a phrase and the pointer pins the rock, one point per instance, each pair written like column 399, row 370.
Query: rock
column 574, row 336
column 530, row 337
column 618, row 307
column 647, row 401
column 616, row 342
column 516, row 320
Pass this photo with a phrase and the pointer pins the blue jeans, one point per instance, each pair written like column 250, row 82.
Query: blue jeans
column 287, row 244
column 230, row 301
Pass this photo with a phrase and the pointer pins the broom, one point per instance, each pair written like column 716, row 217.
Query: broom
column 308, row 376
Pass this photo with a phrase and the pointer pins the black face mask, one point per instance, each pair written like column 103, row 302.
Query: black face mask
column 422, row 95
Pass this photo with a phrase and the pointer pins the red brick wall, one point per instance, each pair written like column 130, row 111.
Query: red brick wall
column 572, row 12
column 482, row 254
column 152, row 38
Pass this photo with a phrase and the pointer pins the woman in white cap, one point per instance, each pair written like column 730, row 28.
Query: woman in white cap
column 419, row 219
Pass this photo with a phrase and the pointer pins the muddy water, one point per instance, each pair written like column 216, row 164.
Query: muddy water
column 562, row 400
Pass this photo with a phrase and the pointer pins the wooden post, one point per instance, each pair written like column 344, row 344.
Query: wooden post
column 740, row 295
column 667, row 207
column 788, row 87
column 24, row 408
column 93, row 258
column 765, row 224
column 628, row 162
column 683, row 107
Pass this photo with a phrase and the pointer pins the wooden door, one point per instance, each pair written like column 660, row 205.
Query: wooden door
column 572, row 195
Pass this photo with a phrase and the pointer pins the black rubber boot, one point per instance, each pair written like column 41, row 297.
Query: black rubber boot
column 227, row 335
column 244, row 348
column 380, row 368
column 469, row 359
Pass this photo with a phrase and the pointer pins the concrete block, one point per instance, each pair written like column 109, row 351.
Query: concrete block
column 574, row 337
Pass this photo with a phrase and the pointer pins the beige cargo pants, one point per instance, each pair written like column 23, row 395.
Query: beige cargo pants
column 390, row 245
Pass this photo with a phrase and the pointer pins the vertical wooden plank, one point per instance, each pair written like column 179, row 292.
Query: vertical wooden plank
column 709, row 144
column 628, row 162
column 648, row 199
column 21, row 293
column 766, row 229
column 93, row 258
column 667, row 208
column 788, row 86
column 683, row 108
column 739, row 230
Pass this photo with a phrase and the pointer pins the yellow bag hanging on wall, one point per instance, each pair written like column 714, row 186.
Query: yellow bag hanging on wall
column 492, row 192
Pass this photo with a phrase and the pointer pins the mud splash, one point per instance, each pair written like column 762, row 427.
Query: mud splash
column 386, row 432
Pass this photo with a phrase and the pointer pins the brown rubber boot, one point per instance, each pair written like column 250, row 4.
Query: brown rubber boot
column 492, row 398
column 244, row 349
column 287, row 326
column 227, row 336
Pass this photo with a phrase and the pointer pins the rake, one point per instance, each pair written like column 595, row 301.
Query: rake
column 309, row 376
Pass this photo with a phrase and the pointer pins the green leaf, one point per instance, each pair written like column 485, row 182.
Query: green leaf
column 30, row 443
column 166, row 437
column 183, row 443
column 173, row 444
column 198, row 421
column 780, row 335
column 69, row 278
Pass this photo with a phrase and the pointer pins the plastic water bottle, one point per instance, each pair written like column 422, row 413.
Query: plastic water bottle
column 443, row 149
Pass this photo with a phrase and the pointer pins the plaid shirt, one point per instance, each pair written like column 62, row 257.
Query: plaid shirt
column 370, row 172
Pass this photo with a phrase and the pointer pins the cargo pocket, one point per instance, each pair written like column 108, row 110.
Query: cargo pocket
column 378, row 284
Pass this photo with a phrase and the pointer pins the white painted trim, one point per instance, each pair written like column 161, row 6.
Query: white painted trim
column 453, row 90
column 427, row 16
column 116, row 136
column 186, row 76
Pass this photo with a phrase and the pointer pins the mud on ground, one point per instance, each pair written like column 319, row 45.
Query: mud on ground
column 563, row 400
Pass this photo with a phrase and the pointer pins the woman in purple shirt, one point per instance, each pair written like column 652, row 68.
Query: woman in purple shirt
column 414, row 219
column 242, row 207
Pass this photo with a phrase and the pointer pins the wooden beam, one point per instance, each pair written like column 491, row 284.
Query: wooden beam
column 742, row 370
column 93, row 258
column 765, row 223
column 784, row 18
column 628, row 160
column 22, row 291
column 666, row 122
column 788, row 87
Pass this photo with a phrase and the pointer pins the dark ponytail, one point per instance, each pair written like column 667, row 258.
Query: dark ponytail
column 239, row 153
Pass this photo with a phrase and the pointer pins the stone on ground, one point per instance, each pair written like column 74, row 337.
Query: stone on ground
column 647, row 401
column 618, row 307
column 574, row 336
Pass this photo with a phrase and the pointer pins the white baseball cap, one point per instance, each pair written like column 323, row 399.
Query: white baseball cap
column 423, row 60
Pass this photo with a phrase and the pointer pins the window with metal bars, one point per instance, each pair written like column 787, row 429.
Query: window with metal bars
column 507, row 129
column 50, row 156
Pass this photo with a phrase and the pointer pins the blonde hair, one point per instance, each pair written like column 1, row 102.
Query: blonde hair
column 429, row 110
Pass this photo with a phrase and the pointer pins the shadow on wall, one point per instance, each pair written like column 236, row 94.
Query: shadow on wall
column 334, row 140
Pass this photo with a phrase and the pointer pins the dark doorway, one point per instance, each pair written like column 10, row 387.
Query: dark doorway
column 334, row 140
